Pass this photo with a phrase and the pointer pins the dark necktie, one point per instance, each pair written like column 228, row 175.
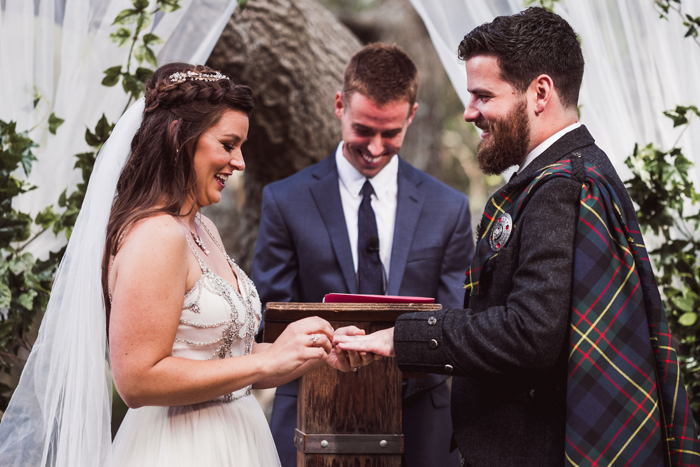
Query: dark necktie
column 369, row 267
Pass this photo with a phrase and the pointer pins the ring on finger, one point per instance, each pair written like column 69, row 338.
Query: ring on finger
column 314, row 339
column 355, row 368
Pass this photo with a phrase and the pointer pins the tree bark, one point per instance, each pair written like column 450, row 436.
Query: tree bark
column 292, row 53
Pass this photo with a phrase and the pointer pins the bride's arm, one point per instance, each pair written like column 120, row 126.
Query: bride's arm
column 150, row 280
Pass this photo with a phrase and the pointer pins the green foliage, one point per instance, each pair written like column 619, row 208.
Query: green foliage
column 132, row 22
column 661, row 188
column 24, row 282
column 546, row 4
column 692, row 24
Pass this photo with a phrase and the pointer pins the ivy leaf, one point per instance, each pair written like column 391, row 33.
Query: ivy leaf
column 46, row 217
column 132, row 85
column 103, row 128
column 126, row 16
column 152, row 39
column 112, row 76
column 143, row 74
column 140, row 5
column 144, row 21
column 143, row 52
column 5, row 295
column 121, row 36
column 244, row 3
column 688, row 319
column 27, row 299
column 54, row 123
column 168, row 6
column 91, row 139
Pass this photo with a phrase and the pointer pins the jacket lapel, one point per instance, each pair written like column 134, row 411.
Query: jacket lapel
column 326, row 194
column 408, row 208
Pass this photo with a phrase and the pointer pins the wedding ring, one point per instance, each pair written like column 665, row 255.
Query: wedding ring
column 314, row 339
column 355, row 369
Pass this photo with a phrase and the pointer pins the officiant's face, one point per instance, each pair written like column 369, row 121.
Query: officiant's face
column 500, row 111
column 372, row 132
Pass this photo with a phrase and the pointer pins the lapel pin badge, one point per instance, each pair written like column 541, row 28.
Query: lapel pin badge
column 500, row 233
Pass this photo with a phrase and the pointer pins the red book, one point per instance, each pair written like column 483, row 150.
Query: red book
column 366, row 298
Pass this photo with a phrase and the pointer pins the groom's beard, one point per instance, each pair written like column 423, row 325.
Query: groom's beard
column 507, row 143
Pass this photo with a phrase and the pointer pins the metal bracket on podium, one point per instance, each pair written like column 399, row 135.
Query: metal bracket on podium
column 348, row 444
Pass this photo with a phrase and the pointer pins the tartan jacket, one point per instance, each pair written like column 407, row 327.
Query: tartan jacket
column 509, row 349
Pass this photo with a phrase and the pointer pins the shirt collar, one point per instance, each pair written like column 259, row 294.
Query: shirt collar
column 354, row 180
column 542, row 147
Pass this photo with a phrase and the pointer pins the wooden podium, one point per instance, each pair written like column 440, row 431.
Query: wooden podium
column 347, row 419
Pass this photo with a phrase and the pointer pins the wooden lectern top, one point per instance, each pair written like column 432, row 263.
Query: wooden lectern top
column 279, row 314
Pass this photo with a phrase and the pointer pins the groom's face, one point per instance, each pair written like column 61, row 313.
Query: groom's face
column 501, row 113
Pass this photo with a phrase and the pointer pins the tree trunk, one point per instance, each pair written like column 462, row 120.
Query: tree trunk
column 292, row 53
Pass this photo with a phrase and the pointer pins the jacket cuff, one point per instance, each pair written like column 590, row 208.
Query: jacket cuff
column 418, row 343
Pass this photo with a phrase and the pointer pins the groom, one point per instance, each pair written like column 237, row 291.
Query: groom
column 562, row 354
column 365, row 221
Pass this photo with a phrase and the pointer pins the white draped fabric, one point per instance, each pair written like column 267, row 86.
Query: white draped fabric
column 59, row 415
column 637, row 66
column 59, row 49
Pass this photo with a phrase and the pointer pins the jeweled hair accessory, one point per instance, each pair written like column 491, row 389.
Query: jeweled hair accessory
column 181, row 77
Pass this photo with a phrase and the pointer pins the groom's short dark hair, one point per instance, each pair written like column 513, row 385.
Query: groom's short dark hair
column 528, row 44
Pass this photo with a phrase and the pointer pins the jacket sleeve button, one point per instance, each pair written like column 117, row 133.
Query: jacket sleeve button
column 448, row 368
column 432, row 321
column 433, row 344
column 532, row 393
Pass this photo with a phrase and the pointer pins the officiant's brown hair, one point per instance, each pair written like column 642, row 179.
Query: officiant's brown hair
column 384, row 73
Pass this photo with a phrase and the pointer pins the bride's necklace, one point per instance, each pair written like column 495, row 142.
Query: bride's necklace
column 197, row 239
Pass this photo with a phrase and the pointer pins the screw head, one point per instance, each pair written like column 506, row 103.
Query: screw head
column 383, row 443
column 324, row 444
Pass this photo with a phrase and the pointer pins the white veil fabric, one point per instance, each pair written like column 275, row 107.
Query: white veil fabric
column 59, row 49
column 637, row 66
column 60, row 413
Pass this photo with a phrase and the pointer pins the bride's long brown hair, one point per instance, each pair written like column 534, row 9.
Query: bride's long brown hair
column 160, row 168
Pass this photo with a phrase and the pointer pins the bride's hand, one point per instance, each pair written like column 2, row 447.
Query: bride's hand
column 303, row 340
column 345, row 360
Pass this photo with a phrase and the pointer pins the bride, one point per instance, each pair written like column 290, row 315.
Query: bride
column 180, row 314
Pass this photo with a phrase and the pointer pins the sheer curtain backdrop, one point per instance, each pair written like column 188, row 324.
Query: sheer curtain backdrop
column 637, row 66
column 60, row 413
column 59, row 49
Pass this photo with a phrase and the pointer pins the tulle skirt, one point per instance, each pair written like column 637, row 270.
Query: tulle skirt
column 211, row 434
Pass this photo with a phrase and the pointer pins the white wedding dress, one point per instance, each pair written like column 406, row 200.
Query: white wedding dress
column 216, row 322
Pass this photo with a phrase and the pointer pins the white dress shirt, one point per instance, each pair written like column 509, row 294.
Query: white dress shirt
column 384, row 201
column 543, row 146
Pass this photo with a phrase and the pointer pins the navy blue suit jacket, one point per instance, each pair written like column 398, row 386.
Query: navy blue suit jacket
column 303, row 252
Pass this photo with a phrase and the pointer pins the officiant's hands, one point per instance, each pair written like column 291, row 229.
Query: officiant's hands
column 380, row 343
column 349, row 360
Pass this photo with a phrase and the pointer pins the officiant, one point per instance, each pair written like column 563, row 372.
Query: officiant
column 363, row 220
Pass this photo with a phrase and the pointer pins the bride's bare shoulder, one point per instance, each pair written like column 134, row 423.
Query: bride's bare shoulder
column 154, row 235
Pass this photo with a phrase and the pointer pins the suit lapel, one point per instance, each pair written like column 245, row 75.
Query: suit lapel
column 326, row 194
column 408, row 208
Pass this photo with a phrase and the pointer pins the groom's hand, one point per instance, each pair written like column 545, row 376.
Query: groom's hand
column 348, row 360
column 378, row 343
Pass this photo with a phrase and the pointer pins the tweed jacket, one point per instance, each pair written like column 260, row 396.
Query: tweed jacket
column 507, row 348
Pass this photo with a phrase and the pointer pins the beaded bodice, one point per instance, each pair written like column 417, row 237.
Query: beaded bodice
column 217, row 320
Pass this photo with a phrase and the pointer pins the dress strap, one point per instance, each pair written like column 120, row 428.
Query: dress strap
column 237, row 271
column 204, row 267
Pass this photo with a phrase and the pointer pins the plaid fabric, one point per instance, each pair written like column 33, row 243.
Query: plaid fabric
column 626, row 402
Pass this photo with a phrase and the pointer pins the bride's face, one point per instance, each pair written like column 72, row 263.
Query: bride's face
column 218, row 155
